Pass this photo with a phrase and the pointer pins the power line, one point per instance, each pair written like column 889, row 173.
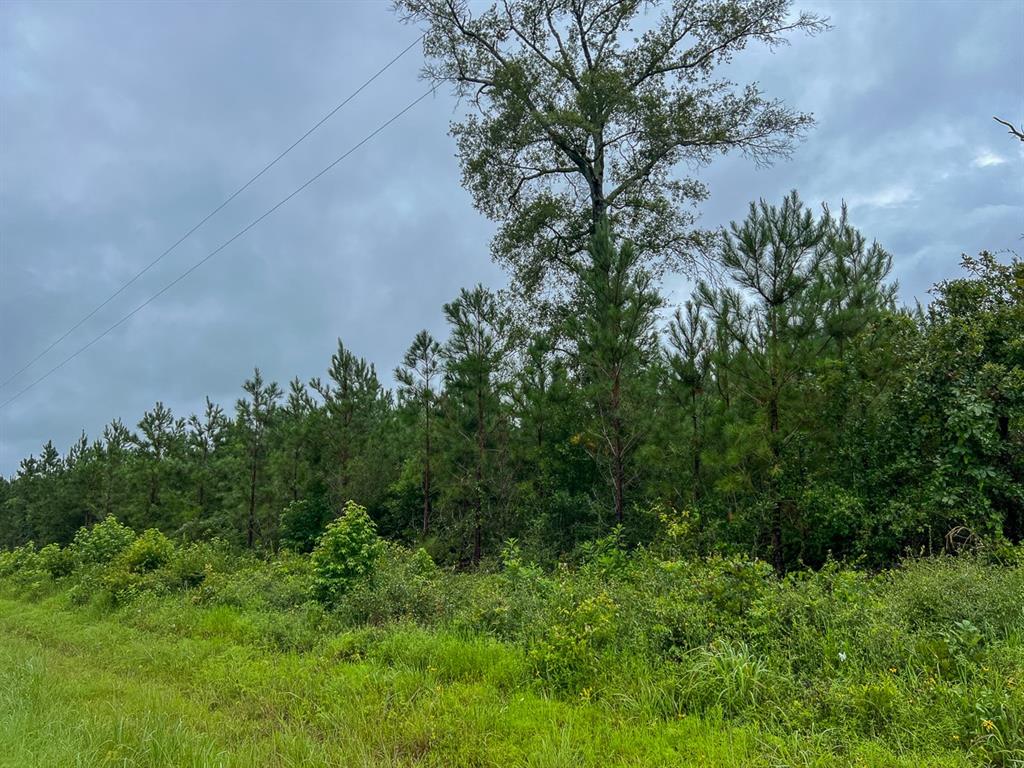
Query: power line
column 208, row 216
column 219, row 248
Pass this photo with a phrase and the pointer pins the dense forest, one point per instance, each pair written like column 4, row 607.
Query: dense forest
column 789, row 409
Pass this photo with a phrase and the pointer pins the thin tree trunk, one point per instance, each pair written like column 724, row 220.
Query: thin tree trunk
column 776, row 524
column 251, row 537
column 695, row 445
column 426, row 471
column 618, row 448
column 478, row 514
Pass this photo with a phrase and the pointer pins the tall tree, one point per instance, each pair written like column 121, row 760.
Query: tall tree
column 159, row 440
column 476, row 377
column 353, row 399
column 253, row 418
column 775, row 258
column 292, row 461
column 420, row 366
column 689, row 370
column 612, row 321
column 206, row 434
column 117, row 442
column 577, row 117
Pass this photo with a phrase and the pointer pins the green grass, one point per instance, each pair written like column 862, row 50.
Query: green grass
column 127, row 650
column 88, row 688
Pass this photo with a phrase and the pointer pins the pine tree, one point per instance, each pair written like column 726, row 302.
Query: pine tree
column 476, row 379
column 353, row 401
column 206, row 435
column 160, row 443
column 689, row 372
column 775, row 257
column 611, row 321
column 253, row 417
column 420, row 366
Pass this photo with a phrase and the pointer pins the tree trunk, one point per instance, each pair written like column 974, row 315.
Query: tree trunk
column 695, row 446
column 426, row 472
column 251, row 529
column 478, row 512
column 776, row 524
column 618, row 448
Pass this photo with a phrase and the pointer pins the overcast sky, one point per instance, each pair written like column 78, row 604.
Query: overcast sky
column 123, row 124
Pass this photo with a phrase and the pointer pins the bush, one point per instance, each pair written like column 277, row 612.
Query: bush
column 404, row 587
column 346, row 553
column 22, row 564
column 148, row 552
column 102, row 542
column 569, row 655
column 57, row 561
column 280, row 584
column 302, row 523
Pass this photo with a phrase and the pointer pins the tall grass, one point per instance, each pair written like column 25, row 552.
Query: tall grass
column 632, row 660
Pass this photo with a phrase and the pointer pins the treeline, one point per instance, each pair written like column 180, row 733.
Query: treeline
column 789, row 410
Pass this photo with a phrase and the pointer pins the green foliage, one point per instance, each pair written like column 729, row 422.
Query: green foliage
column 924, row 659
column 102, row 542
column 794, row 411
column 147, row 552
column 403, row 587
column 56, row 560
column 559, row 104
column 21, row 563
column 607, row 555
column 302, row 523
column 345, row 554
column 571, row 652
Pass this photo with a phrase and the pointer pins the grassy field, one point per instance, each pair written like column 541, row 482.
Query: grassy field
column 153, row 654
column 76, row 690
column 84, row 690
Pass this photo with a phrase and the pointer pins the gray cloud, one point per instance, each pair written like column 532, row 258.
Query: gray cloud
column 121, row 125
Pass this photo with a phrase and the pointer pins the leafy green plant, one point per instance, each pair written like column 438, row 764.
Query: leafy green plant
column 146, row 553
column 56, row 560
column 607, row 555
column 21, row 563
column 302, row 523
column 102, row 542
column 345, row 554
column 569, row 655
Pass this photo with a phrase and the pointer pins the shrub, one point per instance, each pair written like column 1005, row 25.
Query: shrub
column 302, row 522
column 569, row 655
column 606, row 555
column 346, row 553
column 404, row 587
column 102, row 542
column 189, row 566
column 57, row 561
column 280, row 584
column 21, row 563
column 148, row 552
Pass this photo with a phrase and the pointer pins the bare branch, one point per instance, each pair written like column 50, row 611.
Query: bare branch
column 1013, row 129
